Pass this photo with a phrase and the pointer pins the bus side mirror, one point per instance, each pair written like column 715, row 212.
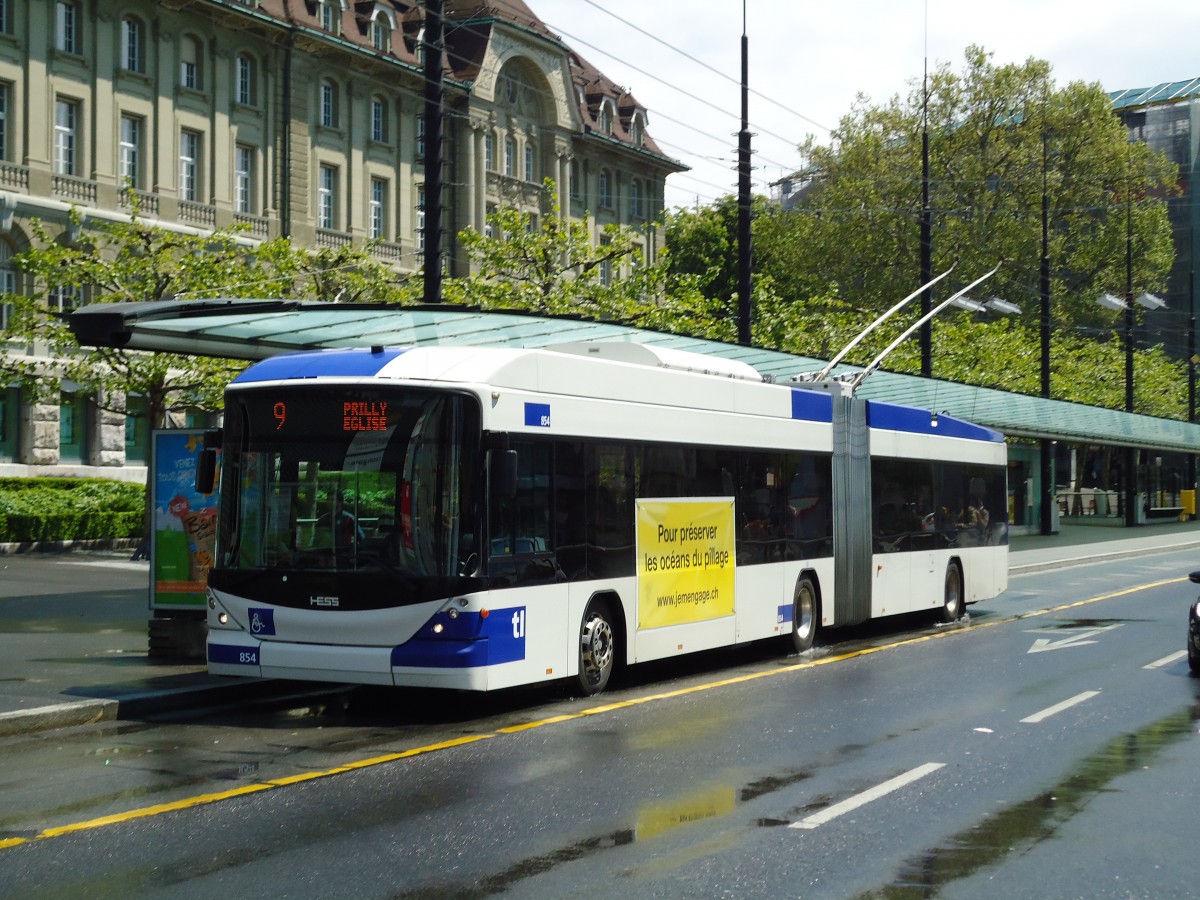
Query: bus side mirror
column 206, row 471
column 504, row 473
column 206, row 463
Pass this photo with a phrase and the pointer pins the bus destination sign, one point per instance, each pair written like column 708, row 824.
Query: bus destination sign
column 364, row 415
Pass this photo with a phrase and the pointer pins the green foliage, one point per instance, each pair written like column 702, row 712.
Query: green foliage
column 550, row 265
column 1000, row 139
column 65, row 509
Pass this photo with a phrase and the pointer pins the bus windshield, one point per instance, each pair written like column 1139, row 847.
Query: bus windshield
column 349, row 478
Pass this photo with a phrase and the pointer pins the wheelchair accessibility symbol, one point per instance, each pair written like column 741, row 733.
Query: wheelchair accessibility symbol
column 262, row 621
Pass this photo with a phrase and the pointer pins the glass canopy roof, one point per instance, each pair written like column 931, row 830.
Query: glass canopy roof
column 257, row 329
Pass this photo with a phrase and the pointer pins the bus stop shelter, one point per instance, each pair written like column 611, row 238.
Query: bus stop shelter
column 1085, row 440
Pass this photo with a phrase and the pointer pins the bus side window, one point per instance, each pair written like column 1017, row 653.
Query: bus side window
column 522, row 545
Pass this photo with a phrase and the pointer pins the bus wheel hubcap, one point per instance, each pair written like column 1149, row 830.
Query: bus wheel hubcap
column 596, row 646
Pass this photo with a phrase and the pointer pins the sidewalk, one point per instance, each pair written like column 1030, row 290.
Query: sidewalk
column 57, row 678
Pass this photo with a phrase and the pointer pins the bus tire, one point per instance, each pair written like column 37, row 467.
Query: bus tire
column 806, row 613
column 952, row 594
column 597, row 648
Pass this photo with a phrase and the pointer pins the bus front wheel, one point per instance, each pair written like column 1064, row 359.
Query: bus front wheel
column 952, row 597
column 597, row 649
column 804, row 615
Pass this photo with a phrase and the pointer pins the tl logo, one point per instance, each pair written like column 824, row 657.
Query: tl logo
column 518, row 623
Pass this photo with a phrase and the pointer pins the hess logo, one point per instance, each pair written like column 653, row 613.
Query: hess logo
column 324, row 602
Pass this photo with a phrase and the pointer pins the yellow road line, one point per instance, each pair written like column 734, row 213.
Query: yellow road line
column 284, row 781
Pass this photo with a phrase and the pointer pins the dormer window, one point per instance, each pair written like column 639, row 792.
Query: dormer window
column 328, row 15
column 381, row 34
column 605, row 117
column 637, row 130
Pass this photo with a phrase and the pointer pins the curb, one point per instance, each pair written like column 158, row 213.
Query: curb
column 1065, row 562
column 158, row 702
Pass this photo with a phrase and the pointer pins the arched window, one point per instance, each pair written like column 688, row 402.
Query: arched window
column 191, row 53
column 329, row 15
column 381, row 33
column 379, row 122
column 637, row 130
column 8, row 282
column 329, row 104
column 133, row 44
column 606, row 117
column 66, row 26
column 244, row 86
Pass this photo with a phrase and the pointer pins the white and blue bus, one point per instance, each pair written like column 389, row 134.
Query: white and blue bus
column 479, row 518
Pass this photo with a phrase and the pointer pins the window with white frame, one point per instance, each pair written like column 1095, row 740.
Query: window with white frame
column 510, row 156
column 130, row 151
column 8, row 281
column 327, row 197
column 5, row 102
column 529, row 172
column 64, row 298
column 489, row 150
column 381, row 34
column 66, row 26
column 605, row 198
column 243, row 179
column 133, row 45
column 189, row 63
column 244, row 80
column 66, row 137
column 421, row 217
column 606, row 266
column 635, row 199
column 189, row 165
column 606, row 116
column 637, row 130
column 379, row 129
column 328, row 15
column 329, row 110
column 378, row 208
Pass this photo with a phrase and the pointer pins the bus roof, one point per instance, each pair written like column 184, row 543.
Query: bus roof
column 608, row 370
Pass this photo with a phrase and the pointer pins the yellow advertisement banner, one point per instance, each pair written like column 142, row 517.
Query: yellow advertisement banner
column 685, row 558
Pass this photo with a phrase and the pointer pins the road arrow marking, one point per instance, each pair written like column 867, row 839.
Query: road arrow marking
column 1079, row 639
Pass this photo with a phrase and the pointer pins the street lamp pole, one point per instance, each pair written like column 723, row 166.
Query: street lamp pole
column 1130, row 452
column 1046, row 457
column 743, row 226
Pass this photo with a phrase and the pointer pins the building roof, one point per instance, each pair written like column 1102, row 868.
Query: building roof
column 257, row 329
column 1167, row 92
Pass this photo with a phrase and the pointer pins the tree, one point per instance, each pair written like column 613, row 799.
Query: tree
column 1001, row 138
column 552, row 267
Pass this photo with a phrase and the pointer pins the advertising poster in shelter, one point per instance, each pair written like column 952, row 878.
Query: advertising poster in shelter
column 182, row 548
column 685, row 560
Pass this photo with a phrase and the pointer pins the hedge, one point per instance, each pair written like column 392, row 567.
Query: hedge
column 69, row 509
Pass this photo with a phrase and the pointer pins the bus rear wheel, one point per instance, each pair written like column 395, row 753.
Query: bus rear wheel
column 952, row 597
column 804, row 615
column 597, row 649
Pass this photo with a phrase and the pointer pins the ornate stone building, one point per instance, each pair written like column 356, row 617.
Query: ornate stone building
column 302, row 118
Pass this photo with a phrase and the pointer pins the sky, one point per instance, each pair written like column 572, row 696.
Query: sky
column 808, row 61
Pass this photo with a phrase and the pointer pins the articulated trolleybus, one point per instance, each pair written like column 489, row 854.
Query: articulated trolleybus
column 478, row 518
